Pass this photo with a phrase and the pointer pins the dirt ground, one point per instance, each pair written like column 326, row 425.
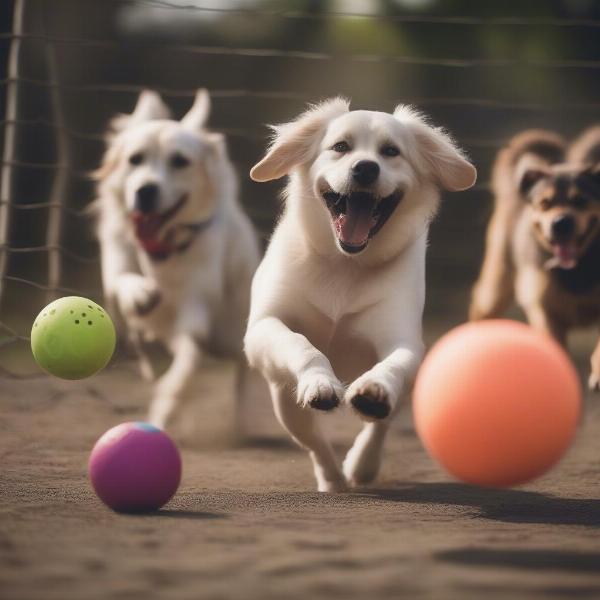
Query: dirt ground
column 246, row 522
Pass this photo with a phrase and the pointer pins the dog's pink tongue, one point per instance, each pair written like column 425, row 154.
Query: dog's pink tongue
column 354, row 227
column 355, row 224
column 146, row 225
column 565, row 255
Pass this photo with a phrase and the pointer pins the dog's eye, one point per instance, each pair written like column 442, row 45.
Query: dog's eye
column 136, row 159
column 545, row 204
column 390, row 150
column 178, row 161
column 341, row 147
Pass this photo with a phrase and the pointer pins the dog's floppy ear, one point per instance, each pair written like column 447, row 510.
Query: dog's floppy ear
column 585, row 149
column 149, row 107
column 589, row 181
column 437, row 152
column 197, row 116
column 295, row 142
column 528, row 178
column 110, row 160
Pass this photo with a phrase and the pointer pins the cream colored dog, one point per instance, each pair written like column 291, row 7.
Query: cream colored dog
column 339, row 295
column 178, row 253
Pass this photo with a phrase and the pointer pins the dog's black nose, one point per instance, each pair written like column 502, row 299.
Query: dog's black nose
column 146, row 198
column 563, row 227
column 365, row 172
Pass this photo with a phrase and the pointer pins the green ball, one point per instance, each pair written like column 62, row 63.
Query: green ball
column 73, row 338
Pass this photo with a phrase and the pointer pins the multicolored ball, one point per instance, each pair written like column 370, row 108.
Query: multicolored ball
column 135, row 467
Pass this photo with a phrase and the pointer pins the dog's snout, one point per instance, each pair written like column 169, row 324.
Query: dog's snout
column 563, row 227
column 146, row 198
column 365, row 172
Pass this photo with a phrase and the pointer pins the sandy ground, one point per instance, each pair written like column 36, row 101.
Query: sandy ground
column 246, row 522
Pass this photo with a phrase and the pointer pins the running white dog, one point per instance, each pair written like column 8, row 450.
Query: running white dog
column 178, row 253
column 339, row 295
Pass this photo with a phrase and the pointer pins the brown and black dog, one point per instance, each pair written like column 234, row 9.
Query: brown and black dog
column 543, row 240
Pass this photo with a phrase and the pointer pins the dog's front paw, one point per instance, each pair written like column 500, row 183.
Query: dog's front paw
column 319, row 391
column 369, row 399
column 594, row 382
column 137, row 295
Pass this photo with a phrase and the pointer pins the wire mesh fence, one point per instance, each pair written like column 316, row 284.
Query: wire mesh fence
column 70, row 65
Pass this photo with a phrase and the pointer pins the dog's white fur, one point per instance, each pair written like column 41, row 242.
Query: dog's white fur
column 321, row 317
column 196, row 300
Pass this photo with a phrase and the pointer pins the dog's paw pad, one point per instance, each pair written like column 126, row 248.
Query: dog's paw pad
column 328, row 402
column 319, row 392
column 151, row 301
column 371, row 402
column 137, row 295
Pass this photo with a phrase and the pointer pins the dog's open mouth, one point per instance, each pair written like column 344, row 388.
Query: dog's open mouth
column 566, row 254
column 148, row 225
column 358, row 216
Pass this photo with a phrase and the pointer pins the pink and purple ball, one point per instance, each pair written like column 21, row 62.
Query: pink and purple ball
column 135, row 467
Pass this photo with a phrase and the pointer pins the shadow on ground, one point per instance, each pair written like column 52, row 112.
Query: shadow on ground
column 508, row 506
column 531, row 558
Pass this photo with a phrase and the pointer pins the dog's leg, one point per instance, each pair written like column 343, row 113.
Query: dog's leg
column 363, row 460
column 540, row 320
column 127, row 290
column 374, row 396
column 144, row 362
column 594, row 380
column 173, row 384
column 123, row 284
column 137, row 295
column 494, row 289
column 531, row 285
column 302, row 426
column 284, row 356
column 288, row 360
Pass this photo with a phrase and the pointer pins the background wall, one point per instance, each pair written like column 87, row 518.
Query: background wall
column 484, row 70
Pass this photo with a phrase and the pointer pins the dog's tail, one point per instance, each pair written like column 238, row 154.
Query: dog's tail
column 585, row 149
column 531, row 149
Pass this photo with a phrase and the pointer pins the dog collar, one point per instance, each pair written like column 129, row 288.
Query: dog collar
column 176, row 240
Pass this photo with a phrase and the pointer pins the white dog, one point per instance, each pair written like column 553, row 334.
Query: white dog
column 339, row 295
column 178, row 253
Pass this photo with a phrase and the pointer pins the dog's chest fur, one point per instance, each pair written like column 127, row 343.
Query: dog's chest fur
column 187, row 281
column 339, row 289
column 576, row 292
column 585, row 277
column 199, row 267
column 350, row 354
column 334, row 298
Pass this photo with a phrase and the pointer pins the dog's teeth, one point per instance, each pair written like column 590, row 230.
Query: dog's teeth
column 340, row 204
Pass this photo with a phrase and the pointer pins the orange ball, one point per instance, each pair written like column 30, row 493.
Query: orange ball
column 496, row 403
